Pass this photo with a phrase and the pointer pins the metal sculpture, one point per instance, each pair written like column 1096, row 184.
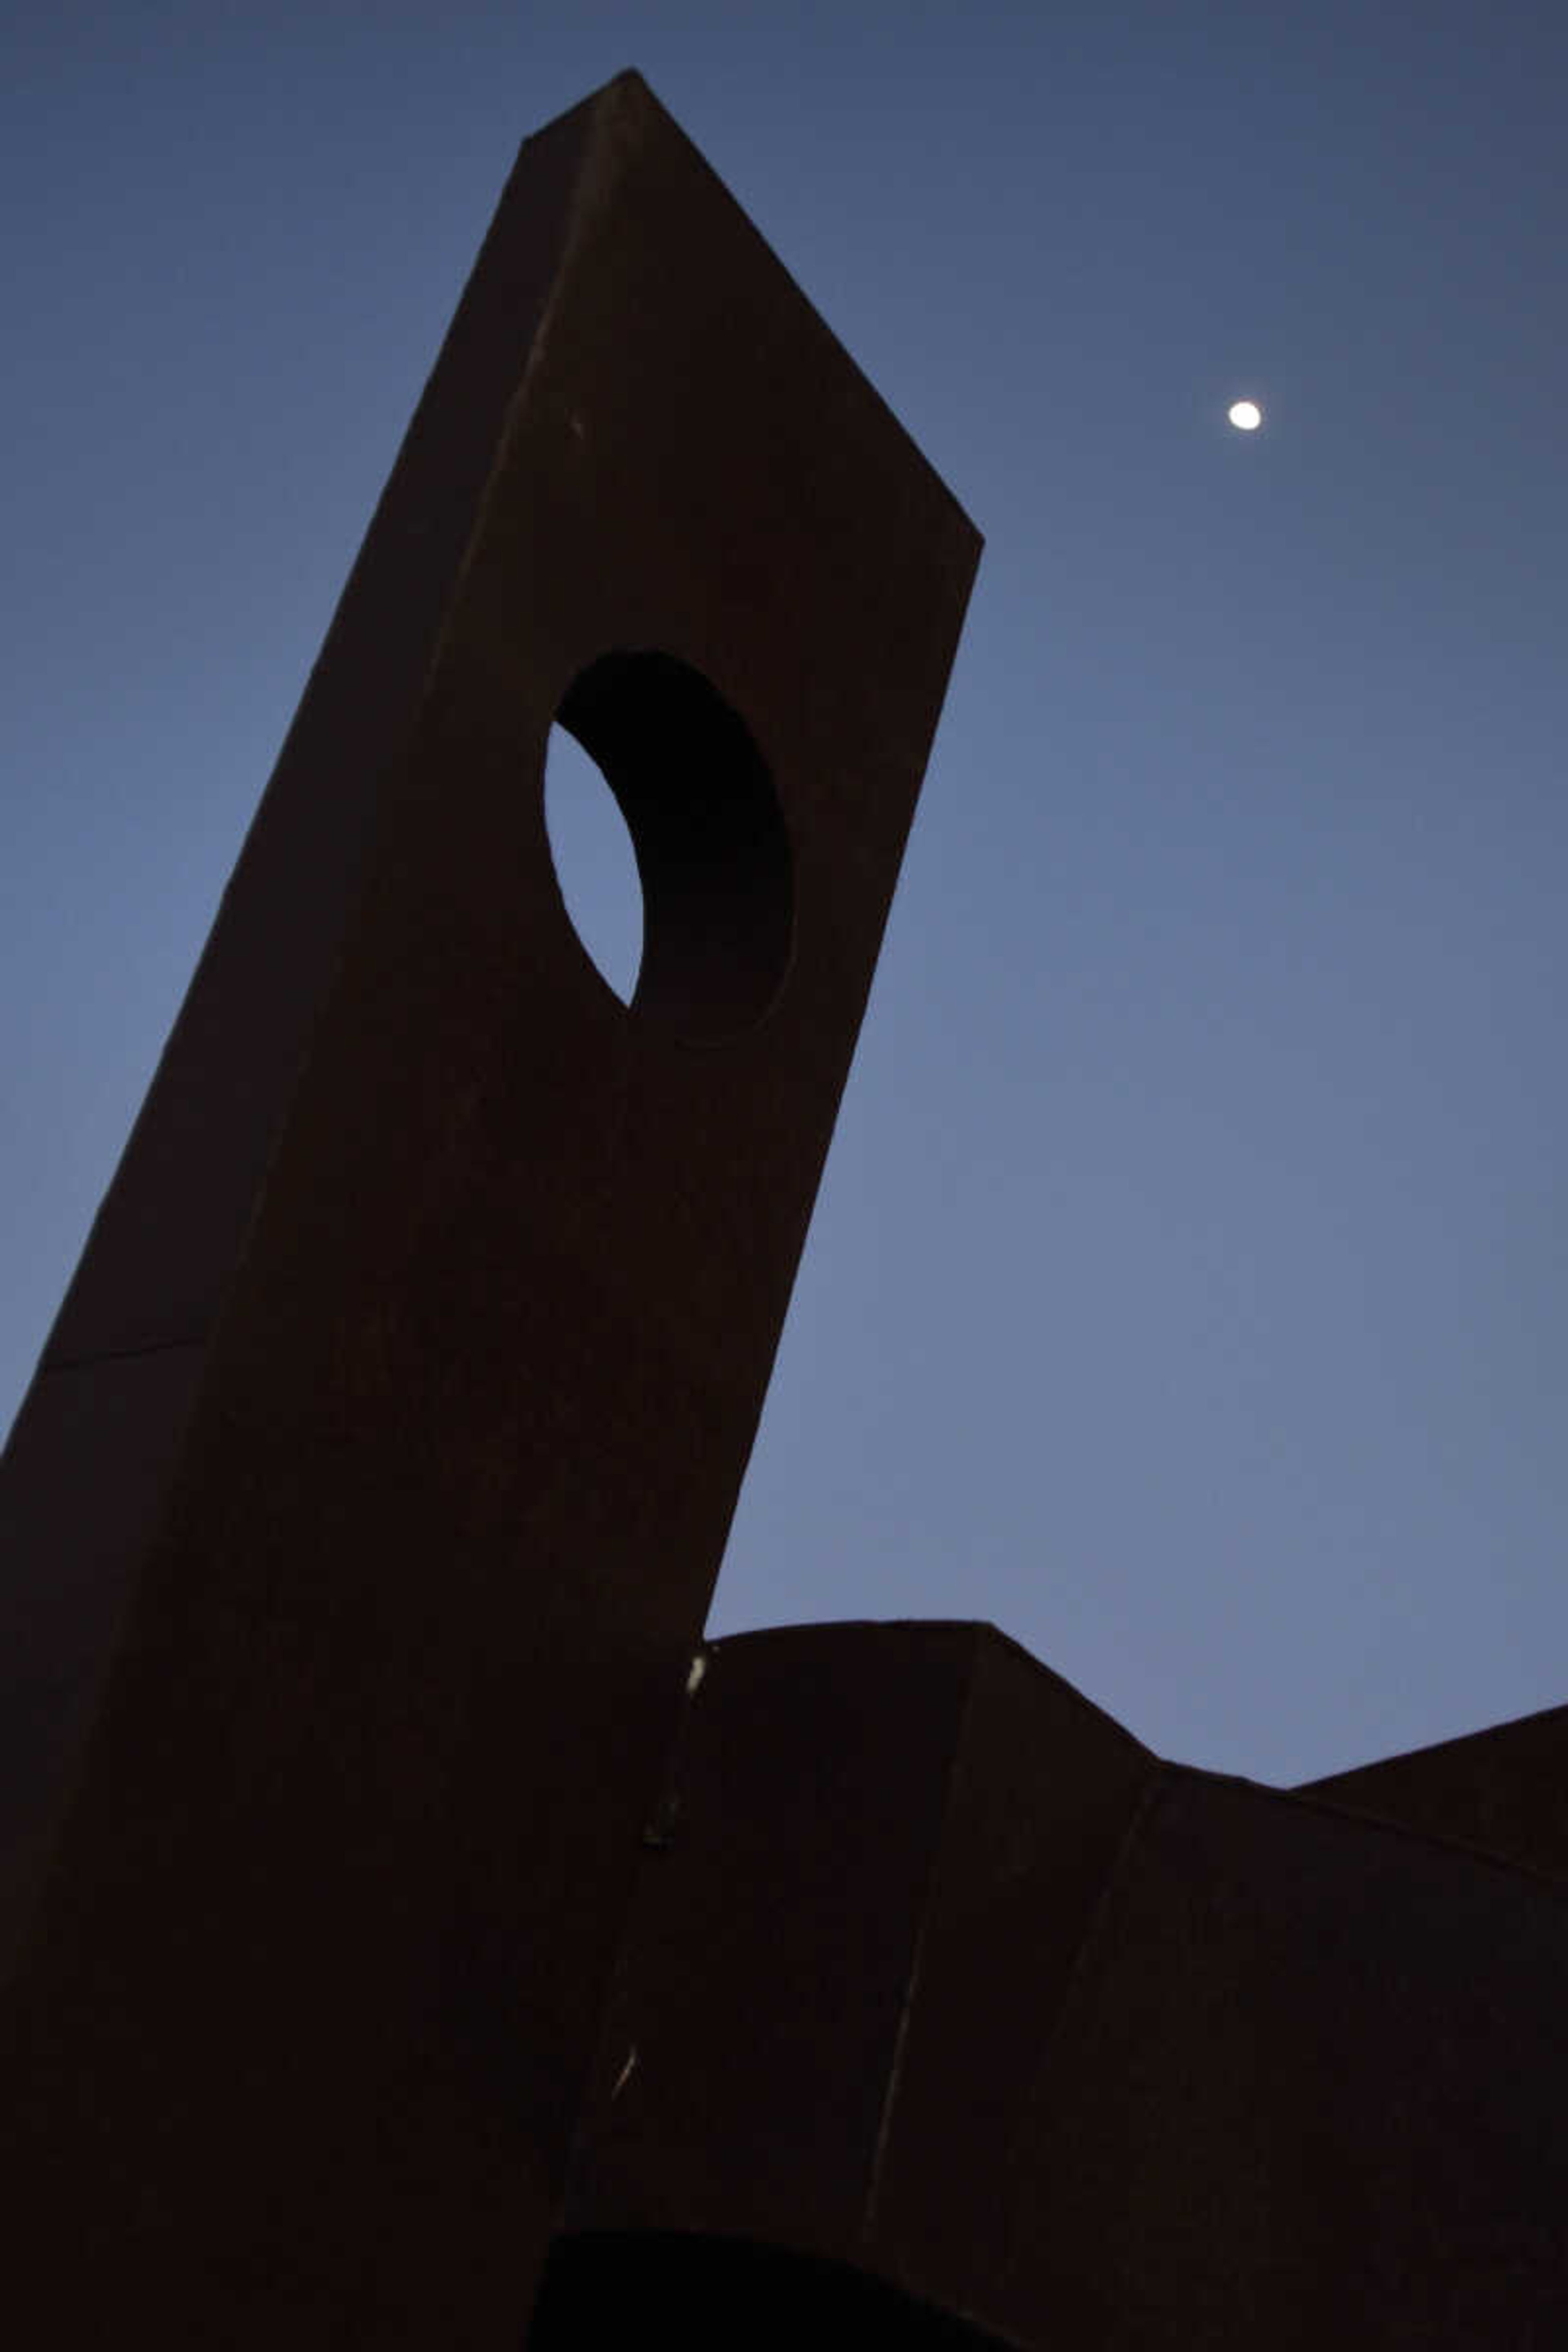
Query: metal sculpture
column 409, row 1934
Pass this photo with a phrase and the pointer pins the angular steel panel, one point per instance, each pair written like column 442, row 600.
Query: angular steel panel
column 487, row 1272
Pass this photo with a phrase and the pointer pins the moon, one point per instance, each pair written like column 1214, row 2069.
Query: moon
column 1245, row 414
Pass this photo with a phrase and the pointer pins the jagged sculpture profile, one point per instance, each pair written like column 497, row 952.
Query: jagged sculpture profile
column 412, row 1936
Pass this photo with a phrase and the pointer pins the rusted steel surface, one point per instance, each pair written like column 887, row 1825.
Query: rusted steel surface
column 935, row 1972
column 1503, row 1790
column 878, row 1854
column 362, row 1518
column 1310, row 2091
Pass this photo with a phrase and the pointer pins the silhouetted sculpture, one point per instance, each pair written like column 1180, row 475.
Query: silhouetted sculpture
column 393, row 1890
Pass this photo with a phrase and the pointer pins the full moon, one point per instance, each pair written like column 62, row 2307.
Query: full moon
column 1245, row 416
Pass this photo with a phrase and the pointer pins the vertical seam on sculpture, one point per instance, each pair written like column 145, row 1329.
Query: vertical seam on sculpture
column 616, row 1977
column 911, row 1988
column 1154, row 1783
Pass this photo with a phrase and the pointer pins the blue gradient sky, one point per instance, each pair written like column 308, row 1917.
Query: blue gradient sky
column 1187, row 1292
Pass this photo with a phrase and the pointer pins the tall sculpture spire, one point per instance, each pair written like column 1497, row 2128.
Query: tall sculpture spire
column 361, row 1519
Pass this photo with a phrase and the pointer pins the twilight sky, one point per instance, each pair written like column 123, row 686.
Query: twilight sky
column 1188, row 1292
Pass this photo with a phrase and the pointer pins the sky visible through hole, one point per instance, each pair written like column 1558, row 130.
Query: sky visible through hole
column 596, row 865
column 1187, row 1290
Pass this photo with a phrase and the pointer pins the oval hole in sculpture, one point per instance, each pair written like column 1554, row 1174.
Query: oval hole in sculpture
column 711, row 849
